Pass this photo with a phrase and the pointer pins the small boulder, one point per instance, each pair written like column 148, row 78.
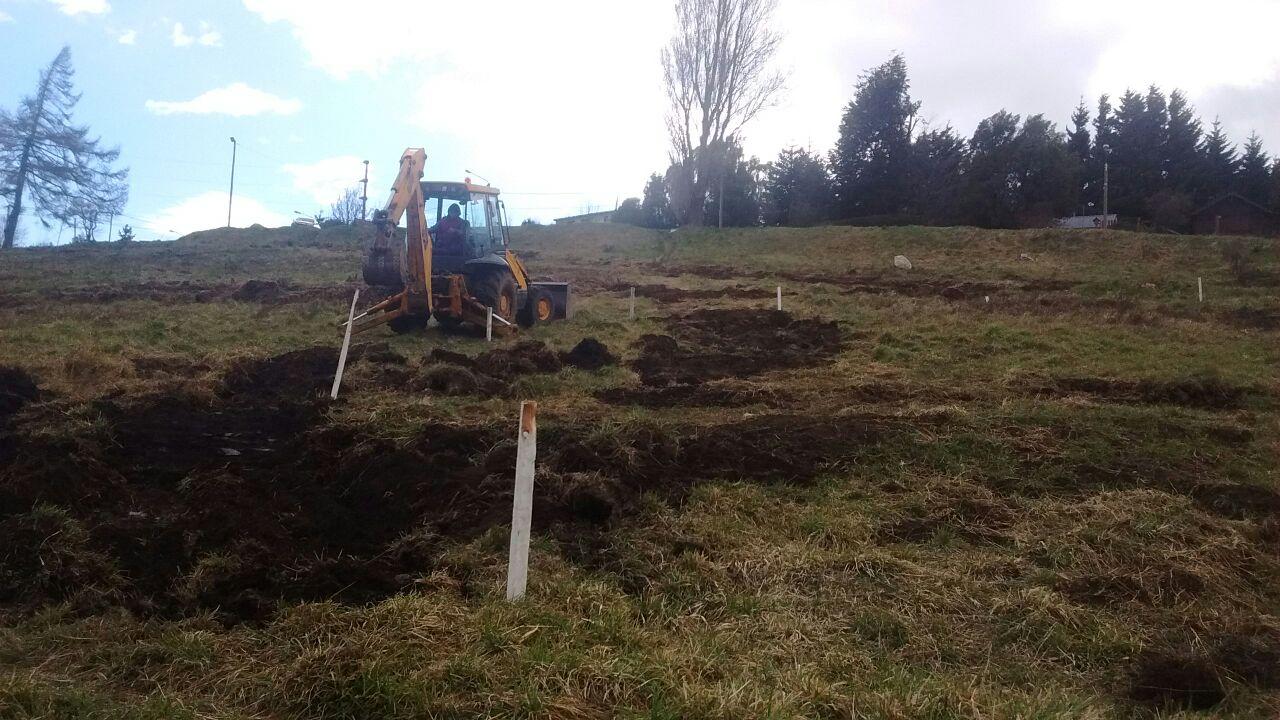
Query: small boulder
column 902, row 262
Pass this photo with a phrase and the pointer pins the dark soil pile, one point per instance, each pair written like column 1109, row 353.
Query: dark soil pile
column 17, row 390
column 668, row 295
column 1206, row 393
column 715, row 344
column 181, row 503
column 589, row 354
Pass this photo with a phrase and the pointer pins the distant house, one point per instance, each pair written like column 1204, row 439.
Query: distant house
column 1234, row 214
column 1088, row 222
column 595, row 217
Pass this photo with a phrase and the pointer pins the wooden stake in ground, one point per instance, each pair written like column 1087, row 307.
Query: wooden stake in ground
column 488, row 326
column 346, row 344
column 779, row 297
column 522, row 505
column 632, row 313
column 1200, row 286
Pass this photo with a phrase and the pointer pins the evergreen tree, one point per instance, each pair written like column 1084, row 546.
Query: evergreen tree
column 1019, row 177
column 1103, row 141
column 797, row 189
column 1254, row 177
column 1183, row 163
column 654, row 206
column 629, row 212
column 740, row 186
column 50, row 161
column 1220, row 164
column 126, row 234
column 1138, row 151
column 1078, row 139
column 937, row 174
column 1275, row 187
column 871, row 159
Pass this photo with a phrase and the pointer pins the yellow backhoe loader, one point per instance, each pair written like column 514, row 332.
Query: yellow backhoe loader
column 453, row 262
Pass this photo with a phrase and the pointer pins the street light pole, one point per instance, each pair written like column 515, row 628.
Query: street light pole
column 364, row 199
column 232, row 193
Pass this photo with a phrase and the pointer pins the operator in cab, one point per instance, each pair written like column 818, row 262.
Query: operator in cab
column 450, row 233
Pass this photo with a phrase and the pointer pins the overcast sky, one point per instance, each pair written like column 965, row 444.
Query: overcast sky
column 559, row 102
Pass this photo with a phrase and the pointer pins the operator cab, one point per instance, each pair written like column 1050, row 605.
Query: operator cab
column 466, row 225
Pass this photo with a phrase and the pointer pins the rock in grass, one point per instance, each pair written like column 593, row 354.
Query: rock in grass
column 902, row 262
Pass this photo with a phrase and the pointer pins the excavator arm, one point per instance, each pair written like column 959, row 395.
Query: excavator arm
column 383, row 265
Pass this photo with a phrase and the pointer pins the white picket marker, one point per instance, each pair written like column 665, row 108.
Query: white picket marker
column 522, row 504
column 488, row 326
column 1200, row 285
column 632, row 314
column 779, row 297
column 346, row 344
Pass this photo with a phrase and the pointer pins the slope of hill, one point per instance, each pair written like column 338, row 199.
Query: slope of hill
column 1033, row 476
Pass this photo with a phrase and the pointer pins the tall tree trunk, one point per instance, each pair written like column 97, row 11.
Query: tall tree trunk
column 15, row 210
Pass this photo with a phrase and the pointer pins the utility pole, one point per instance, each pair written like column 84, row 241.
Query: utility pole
column 232, row 194
column 1106, row 186
column 364, row 198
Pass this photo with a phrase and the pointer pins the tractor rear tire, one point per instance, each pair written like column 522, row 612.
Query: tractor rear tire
column 539, row 308
column 408, row 323
column 497, row 289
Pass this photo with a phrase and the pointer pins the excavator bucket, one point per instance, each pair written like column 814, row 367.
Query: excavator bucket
column 383, row 257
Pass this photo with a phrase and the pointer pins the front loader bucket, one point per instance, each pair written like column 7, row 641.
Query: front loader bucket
column 561, row 297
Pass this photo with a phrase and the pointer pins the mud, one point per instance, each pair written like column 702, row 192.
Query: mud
column 491, row 373
column 669, row 295
column 589, row 354
column 179, row 502
column 1204, row 393
column 176, row 292
column 715, row 344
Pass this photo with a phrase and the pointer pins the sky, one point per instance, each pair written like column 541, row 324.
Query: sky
column 560, row 102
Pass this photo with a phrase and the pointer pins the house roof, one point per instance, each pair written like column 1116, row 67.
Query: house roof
column 1233, row 196
column 586, row 215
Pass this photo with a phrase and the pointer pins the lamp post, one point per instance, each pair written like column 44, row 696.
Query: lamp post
column 232, row 193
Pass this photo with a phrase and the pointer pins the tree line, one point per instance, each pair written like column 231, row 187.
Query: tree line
column 888, row 167
column 52, row 166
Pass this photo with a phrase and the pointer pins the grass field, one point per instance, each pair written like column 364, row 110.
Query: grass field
column 1033, row 477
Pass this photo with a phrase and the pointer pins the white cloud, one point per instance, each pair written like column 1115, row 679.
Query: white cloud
column 236, row 100
column 180, row 37
column 5, row 17
column 82, row 7
column 325, row 180
column 209, row 210
column 128, row 37
column 208, row 36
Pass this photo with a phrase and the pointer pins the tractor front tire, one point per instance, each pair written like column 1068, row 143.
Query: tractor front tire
column 497, row 289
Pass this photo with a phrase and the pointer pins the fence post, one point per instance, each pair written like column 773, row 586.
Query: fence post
column 488, row 325
column 522, row 503
column 779, row 297
column 346, row 344
column 632, row 313
column 1200, row 287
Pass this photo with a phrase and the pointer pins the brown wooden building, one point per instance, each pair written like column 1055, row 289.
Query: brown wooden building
column 1234, row 214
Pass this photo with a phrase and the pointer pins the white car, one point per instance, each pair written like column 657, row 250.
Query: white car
column 306, row 221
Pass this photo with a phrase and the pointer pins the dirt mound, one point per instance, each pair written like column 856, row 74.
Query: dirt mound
column 1189, row 682
column 716, row 344
column 1255, row 318
column 17, row 389
column 258, row 291
column 589, row 354
column 1195, row 675
column 295, row 374
column 1206, row 393
column 524, row 358
column 1161, row 586
column 668, row 295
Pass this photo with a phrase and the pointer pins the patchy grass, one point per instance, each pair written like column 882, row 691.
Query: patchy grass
column 1011, row 488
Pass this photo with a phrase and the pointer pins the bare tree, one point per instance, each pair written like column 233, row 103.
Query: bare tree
column 45, row 158
column 718, row 79
column 346, row 209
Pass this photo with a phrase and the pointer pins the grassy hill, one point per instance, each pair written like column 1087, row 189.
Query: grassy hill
column 1033, row 476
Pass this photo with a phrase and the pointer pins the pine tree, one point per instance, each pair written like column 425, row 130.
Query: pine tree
column 655, row 206
column 1275, row 187
column 871, row 159
column 1220, row 164
column 937, row 174
column 1254, row 177
column 1019, row 177
column 1183, row 162
column 1078, row 139
column 50, row 161
column 1103, row 142
column 797, row 189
